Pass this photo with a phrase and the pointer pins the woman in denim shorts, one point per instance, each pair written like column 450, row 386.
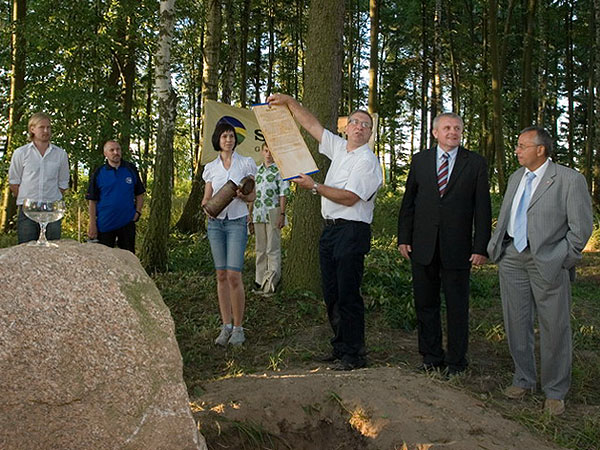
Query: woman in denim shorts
column 227, row 232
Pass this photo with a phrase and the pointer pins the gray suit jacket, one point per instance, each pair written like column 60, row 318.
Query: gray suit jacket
column 559, row 220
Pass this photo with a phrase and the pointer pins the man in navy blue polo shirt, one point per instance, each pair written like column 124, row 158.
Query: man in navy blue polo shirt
column 116, row 197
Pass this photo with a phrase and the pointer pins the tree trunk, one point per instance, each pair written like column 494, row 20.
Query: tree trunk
column 595, row 185
column 454, row 64
column 570, row 86
column 436, row 87
column 271, row 63
column 192, row 217
column 148, row 121
column 497, row 121
column 230, row 65
column 424, row 140
column 526, row 105
column 15, row 110
column 321, row 97
column 374, row 56
column 244, row 21
column 154, row 254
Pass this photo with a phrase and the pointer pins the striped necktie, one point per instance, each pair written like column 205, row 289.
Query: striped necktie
column 442, row 175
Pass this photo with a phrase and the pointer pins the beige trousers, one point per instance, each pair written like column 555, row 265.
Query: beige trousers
column 268, row 252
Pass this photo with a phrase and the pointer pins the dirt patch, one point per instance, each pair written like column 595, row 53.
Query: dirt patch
column 374, row 408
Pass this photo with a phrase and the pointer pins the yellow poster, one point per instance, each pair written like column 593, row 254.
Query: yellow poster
column 249, row 136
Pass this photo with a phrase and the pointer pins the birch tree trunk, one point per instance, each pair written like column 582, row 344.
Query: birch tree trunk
column 154, row 249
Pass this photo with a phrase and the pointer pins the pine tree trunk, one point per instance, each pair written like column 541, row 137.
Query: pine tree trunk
column 15, row 111
column 154, row 254
column 374, row 56
column 424, row 139
column 596, row 122
column 244, row 26
column 570, row 85
column 526, row 105
column 232, row 56
column 497, row 121
column 436, row 87
column 322, row 94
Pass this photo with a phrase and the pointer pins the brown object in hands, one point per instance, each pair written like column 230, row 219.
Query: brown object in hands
column 226, row 194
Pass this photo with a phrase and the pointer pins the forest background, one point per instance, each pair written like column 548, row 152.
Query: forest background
column 141, row 70
column 123, row 69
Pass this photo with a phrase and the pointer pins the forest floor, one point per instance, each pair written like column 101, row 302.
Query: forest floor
column 272, row 394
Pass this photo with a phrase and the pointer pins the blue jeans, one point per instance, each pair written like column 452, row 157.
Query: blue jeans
column 228, row 240
column 28, row 230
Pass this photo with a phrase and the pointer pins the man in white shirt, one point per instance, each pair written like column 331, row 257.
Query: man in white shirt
column 347, row 203
column 38, row 171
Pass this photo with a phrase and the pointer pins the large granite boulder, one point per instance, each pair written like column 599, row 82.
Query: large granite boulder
column 88, row 356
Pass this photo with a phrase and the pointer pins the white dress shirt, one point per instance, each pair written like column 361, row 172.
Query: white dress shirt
column 539, row 173
column 357, row 171
column 39, row 177
column 216, row 174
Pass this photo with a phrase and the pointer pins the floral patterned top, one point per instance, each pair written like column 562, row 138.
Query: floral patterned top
column 269, row 187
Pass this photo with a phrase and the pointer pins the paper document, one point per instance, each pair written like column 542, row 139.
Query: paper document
column 285, row 142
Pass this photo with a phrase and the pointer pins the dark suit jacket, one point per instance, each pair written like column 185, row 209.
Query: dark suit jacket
column 461, row 218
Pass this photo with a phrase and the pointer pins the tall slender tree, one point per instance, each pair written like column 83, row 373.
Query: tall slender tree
column 15, row 110
column 497, row 121
column 154, row 254
column 527, row 85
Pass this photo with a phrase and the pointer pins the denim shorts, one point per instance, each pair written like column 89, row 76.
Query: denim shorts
column 228, row 240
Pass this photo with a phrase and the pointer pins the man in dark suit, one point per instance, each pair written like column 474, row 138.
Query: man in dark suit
column 443, row 228
column 544, row 223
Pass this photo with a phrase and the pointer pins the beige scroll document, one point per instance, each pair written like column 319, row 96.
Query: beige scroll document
column 285, row 142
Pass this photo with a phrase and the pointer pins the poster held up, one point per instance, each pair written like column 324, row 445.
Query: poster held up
column 290, row 153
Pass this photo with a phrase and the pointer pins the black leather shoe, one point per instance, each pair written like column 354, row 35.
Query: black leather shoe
column 328, row 357
column 347, row 364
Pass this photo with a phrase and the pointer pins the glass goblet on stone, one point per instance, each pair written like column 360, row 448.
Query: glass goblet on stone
column 43, row 213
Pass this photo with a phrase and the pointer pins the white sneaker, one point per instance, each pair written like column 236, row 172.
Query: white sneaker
column 237, row 337
column 223, row 337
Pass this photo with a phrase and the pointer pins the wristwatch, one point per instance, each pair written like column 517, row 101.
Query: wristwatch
column 314, row 188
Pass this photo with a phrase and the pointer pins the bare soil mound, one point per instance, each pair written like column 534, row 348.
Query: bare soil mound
column 376, row 408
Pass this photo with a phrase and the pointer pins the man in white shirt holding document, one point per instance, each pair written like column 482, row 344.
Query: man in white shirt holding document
column 347, row 203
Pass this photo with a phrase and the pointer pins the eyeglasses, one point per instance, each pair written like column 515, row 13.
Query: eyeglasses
column 523, row 147
column 357, row 122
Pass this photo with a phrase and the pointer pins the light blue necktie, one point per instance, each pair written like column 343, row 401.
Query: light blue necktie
column 520, row 226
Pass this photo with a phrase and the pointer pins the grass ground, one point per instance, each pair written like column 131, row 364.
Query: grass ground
column 287, row 330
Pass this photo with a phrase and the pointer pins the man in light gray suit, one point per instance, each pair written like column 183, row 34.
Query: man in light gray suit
column 544, row 223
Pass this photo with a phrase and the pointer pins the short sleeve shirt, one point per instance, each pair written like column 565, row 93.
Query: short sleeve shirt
column 216, row 174
column 114, row 191
column 39, row 177
column 357, row 171
column 269, row 188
